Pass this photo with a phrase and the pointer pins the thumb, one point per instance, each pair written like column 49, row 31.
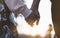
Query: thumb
column 37, row 21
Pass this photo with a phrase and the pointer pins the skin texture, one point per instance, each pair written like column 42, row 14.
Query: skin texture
column 55, row 15
column 34, row 16
column 55, row 8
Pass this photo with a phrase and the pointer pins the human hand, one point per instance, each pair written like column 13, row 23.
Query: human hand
column 33, row 17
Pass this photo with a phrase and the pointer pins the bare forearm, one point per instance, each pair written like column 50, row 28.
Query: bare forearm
column 35, row 4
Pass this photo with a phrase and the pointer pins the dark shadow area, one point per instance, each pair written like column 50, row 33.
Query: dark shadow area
column 5, row 19
column 56, row 16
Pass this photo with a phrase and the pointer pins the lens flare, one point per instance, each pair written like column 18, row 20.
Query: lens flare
column 45, row 20
column 24, row 28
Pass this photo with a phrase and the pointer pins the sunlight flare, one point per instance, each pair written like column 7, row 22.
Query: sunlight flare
column 45, row 19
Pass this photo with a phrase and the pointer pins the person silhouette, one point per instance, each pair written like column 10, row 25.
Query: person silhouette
column 55, row 10
column 34, row 16
column 18, row 6
column 31, row 18
column 56, row 16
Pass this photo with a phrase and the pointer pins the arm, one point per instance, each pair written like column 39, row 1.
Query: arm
column 18, row 6
column 35, row 5
column 34, row 16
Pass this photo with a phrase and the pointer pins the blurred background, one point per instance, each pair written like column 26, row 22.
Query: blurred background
column 45, row 27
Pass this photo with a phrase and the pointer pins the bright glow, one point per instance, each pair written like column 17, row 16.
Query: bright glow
column 28, row 3
column 45, row 20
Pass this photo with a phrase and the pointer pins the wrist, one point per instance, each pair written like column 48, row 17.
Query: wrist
column 26, row 12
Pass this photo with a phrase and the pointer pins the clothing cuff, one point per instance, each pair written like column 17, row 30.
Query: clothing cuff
column 26, row 12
